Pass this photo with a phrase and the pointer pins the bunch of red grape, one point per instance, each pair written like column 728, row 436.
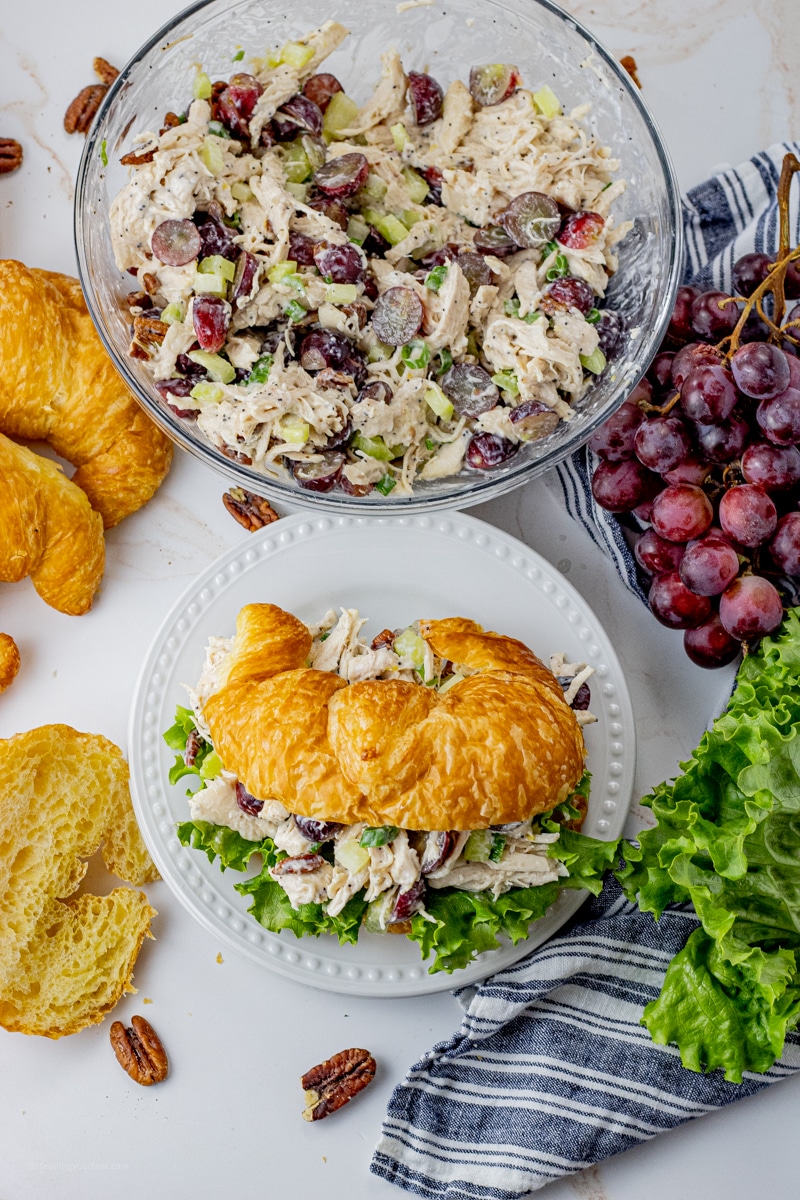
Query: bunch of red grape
column 706, row 453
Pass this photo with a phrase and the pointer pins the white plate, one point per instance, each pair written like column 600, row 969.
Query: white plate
column 395, row 571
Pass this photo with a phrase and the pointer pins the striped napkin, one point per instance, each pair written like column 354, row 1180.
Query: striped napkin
column 551, row 1071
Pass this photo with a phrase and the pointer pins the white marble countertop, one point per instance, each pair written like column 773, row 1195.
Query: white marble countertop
column 721, row 80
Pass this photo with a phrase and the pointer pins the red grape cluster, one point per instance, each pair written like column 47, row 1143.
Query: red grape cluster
column 706, row 453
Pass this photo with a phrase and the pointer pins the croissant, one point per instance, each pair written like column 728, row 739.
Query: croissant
column 499, row 746
column 48, row 530
column 58, row 385
column 9, row 661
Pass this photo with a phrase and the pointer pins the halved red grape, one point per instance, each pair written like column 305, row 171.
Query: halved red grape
column 301, row 249
column 211, row 317
column 774, row 468
column 785, row 544
column 437, row 847
column 493, row 83
column 708, row 566
column 710, row 645
column 324, row 348
column 341, row 264
column 580, row 230
column 434, row 179
column 779, row 417
column 215, row 237
column 236, row 103
column 621, row 486
column 342, row 176
column 680, row 326
column 714, row 315
column 494, row 240
column 748, row 272
column 333, row 209
column 674, row 605
column 376, row 390
column 610, row 329
column 297, row 114
column 532, row 420
column 317, row 831
column 354, row 489
column 488, row 450
column 320, row 88
column 409, row 902
column 708, row 394
column 750, row 608
column 476, row 270
column 397, row 316
column 244, row 279
column 247, row 803
column 724, row 442
column 531, row 219
column 662, row 443
column 760, row 370
column 567, row 292
column 469, row 389
column 655, row 554
column 321, row 475
column 614, row 440
column 426, row 97
column 688, row 358
column 681, row 512
column 175, row 243
column 748, row 514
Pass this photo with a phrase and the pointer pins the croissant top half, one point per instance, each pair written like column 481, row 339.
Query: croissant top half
column 498, row 746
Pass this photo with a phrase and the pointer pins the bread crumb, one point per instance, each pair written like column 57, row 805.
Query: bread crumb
column 220, row 959
column 406, row 5
column 146, row 1000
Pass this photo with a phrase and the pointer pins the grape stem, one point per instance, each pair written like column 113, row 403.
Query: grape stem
column 774, row 281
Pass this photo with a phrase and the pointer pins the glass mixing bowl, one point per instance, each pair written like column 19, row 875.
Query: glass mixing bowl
column 545, row 43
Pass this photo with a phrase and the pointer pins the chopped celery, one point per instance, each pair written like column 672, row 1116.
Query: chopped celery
column 416, row 354
column 559, row 268
column 340, row 114
column 507, row 382
column 297, row 54
column 375, row 447
column 201, row 86
column 211, row 154
column 409, row 644
column 449, row 682
column 210, row 285
column 430, row 444
column 215, row 264
column 594, row 362
column 417, row 187
column 298, row 190
column 238, row 56
column 410, row 217
column 341, row 293
column 242, row 192
column 259, row 372
column 385, row 485
column 435, row 278
column 212, row 765
column 357, row 229
column 218, row 368
column 478, row 846
column 173, row 313
column 295, row 163
column 210, row 393
column 530, row 317
column 351, row 855
column 379, row 910
column 387, row 225
column 375, row 188
column 380, row 835
column 295, row 281
column 442, row 361
column 398, row 451
column 438, row 402
column 547, row 102
column 399, row 136
column 379, row 352
column 278, row 272
column 294, row 429
column 593, row 316
column 273, row 58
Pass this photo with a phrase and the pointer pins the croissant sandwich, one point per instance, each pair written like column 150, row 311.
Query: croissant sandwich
column 379, row 780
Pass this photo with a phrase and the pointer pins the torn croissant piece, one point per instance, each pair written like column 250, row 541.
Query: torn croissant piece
column 58, row 385
column 9, row 661
column 48, row 530
column 498, row 746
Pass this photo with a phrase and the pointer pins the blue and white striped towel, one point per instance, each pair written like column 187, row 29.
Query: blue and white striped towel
column 551, row 1070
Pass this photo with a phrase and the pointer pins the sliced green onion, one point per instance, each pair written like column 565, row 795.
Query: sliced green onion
column 498, row 846
column 507, row 381
column 430, row 444
column 211, row 154
column 218, row 368
column 511, row 307
column 438, row 402
column 416, row 354
column 548, row 249
column 547, row 102
column 201, row 86
column 294, row 429
column 104, row 152
column 559, row 268
column 238, row 56
column 295, row 281
column 279, row 272
column 417, row 187
column 409, row 644
column 218, row 130
column 173, row 313
column 435, row 278
column 215, row 264
column 209, row 393
column 385, row 485
column 399, row 136
column 375, row 447
column 442, row 361
column 297, row 54
column 340, row 114
column 593, row 316
column 380, row 835
column 295, row 311
column 259, row 372
column 594, row 362
column 530, row 317
column 341, row 293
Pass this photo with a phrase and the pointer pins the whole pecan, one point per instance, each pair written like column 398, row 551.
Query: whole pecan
column 335, row 1081
column 104, row 70
column 250, row 510
column 10, row 155
column 83, row 109
column 139, row 1051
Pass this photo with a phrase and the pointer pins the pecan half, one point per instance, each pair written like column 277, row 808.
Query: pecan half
column 384, row 638
column 250, row 510
column 137, row 351
column 298, row 864
column 329, row 378
column 83, row 109
column 334, row 1082
column 139, row 1051
column 137, row 300
column 137, row 158
column 357, row 310
column 171, row 119
column 150, row 283
column 149, row 331
column 104, row 70
column 217, row 88
column 10, row 155
column 236, row 455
